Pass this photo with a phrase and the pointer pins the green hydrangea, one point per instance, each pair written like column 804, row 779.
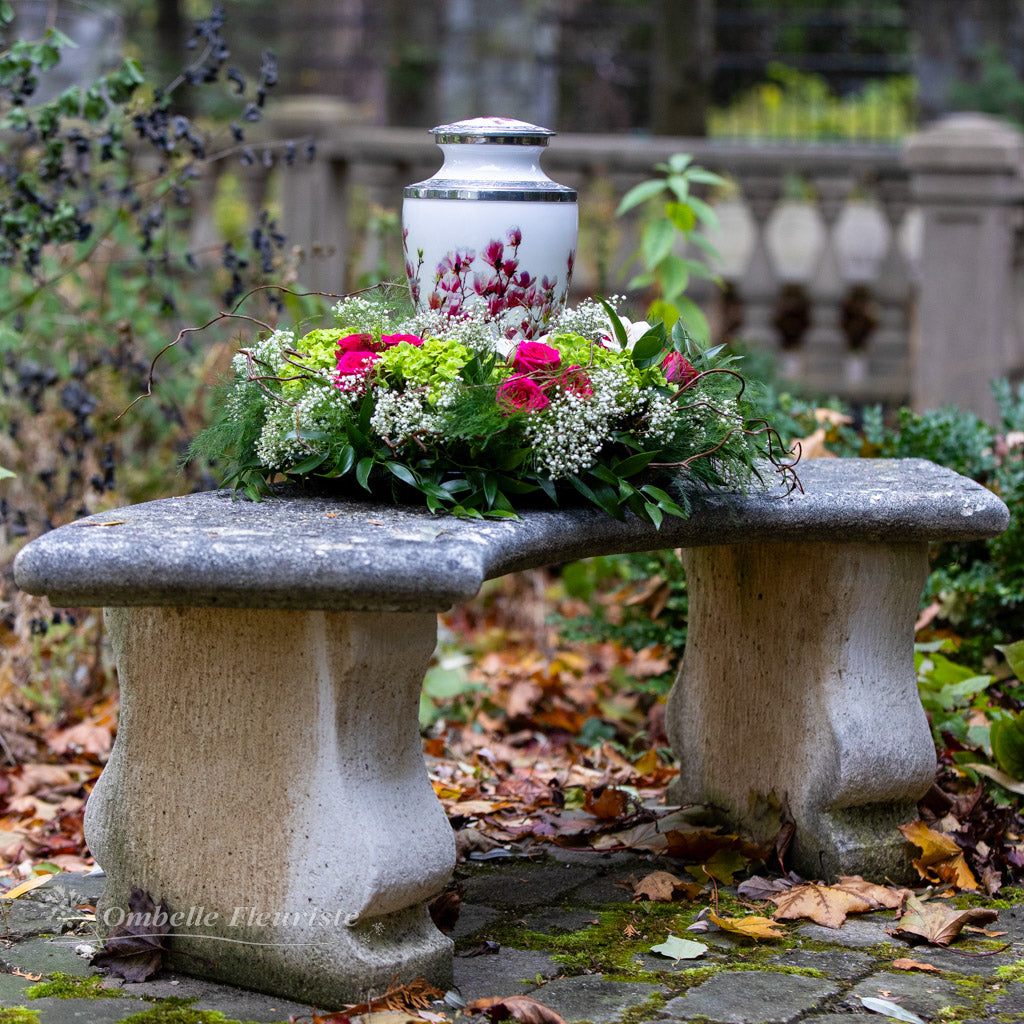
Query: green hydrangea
column 431, row 365
column 320, row 348
column 580, row 351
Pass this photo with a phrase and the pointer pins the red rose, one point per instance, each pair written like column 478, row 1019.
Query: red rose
column 678, row 370
column 575, row 379
column 356, row 364
column 523, row 394
column 356, row 343
column 535, row 355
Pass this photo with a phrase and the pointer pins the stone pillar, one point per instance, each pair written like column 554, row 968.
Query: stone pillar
column 797, row 698
column 268, row 783
column 967, row 175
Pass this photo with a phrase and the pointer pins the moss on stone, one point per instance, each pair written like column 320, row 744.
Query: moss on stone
column 67, row 986
column 19, row 1015
column 179, row 1011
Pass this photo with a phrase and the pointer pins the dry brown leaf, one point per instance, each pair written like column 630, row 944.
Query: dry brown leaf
column 752, row 927
column 937, row 923
column 608, row 803
column 941, row 858
column 824, row 904
column 415, row 995
column 664, row 887
column 883, row 897
column 520, row 1008
column 813, row 446
column 906, row 964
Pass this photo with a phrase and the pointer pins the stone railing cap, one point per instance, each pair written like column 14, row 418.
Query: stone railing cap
column 305, row 552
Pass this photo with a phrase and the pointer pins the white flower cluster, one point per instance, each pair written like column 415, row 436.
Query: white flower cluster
column 263, row 357
column 661, row 414
column 398, row 415
column 568, row 435
column 471, row 328
column 589, row 319
column 285, row 438
column 358, row 314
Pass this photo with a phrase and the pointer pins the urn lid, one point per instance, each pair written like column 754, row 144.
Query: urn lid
column 495, row 130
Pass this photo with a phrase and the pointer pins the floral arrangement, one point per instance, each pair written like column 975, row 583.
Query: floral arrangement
column 450, row 411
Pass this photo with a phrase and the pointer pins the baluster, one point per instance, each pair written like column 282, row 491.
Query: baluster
column 825, row 347
column 890, row 344
column 759, row 284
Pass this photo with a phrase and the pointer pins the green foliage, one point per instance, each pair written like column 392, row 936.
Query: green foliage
column 674, row 218
column 948, row 689
column 998, row 89
column 795, row 105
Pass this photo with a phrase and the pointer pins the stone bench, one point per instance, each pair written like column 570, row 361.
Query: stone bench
column 268, row 782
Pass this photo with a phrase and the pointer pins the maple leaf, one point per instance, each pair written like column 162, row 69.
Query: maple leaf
column 606, row 802
column 752, row 927
column 663, row 887
column 937, row 923
column 829, row 905
column 520, row 1008
column 758, row 887
column 941, row 858
column 134, row 949
column 721, row 866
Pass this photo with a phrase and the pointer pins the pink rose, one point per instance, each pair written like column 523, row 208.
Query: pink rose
column 535, row 355
column 356, row 364
column 356, row 343
column 523, row 394
column 575, row 379
column 678, row 370
column 389, row 340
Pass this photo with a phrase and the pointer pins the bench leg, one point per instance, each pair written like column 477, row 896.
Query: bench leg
column 797, row 698
column 268, row 783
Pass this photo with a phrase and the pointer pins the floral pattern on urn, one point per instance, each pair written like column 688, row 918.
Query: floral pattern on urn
column 490, row 229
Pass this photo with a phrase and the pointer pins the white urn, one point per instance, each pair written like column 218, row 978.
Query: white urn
column 490, row 228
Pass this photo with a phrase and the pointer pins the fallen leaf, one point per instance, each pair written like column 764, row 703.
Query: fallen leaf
column 676, row 948
column 414, row 995
column 758, row 888
column 752, row 927
column 906, row 964
column 445, row 909
column 664, row 887
column 936, row 923
column 486, row 948
column 890, row 1009
column 823, row 904
column 134, row 949
column 941, row 858
column 27, row 886
column 829, row 905
column 520, row 1008
column 721, row 866
column 1004, row 780
column 607, row 802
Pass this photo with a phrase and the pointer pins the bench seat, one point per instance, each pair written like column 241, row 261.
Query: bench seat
column 267, row 767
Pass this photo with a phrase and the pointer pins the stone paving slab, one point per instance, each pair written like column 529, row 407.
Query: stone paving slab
column 737, row 997
column 549, row 905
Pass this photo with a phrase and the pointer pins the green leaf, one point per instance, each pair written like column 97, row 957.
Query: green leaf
column 345, row 461
column 617, row 328
column 693, row 317
column 1008, row 745
column 307, row 465
column 640, row 194
column 676, row 948
column 648, row 348
column 6, row 474
column 655, row 514
column 674, row 276
column 633, row 464
column 680, row 187
column 704, row 212
column 656, row 241
column 679, row 162
column 403, row 472
column 6, row 13
column 1014, row 655
column 682, row 216
column 704, row 177
column 363, row 470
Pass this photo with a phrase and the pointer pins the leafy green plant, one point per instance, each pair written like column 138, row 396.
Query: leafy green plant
column 793, row 104
column 672, row 224
column 997, row 90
